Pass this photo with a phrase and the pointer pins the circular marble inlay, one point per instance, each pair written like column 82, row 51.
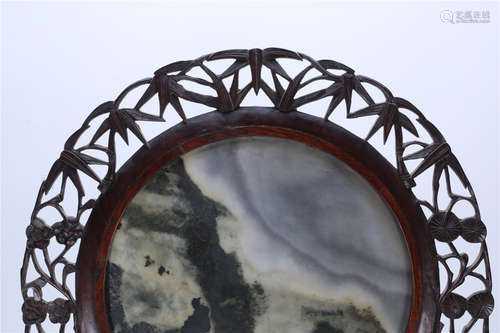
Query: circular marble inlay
column 258, row 235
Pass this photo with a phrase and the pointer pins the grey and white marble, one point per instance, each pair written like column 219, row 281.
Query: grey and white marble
column 258, row 235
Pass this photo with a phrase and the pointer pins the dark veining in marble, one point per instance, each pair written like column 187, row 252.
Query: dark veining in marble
column 199, row 321
column 324, row 327
column 337, row 320
column 115, row 308
column 233, row 302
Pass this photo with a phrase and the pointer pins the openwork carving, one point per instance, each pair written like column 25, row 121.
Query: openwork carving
column 392, row 115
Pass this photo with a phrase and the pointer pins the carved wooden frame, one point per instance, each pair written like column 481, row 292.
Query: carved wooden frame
column 283, row 120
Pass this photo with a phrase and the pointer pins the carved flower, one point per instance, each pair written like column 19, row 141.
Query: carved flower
column 68, row 232
column 454, row 306
column 445, row 227
column 60, row 310
column 34, row 311
column 39, row 234
column 480, row 305
column 473, row 230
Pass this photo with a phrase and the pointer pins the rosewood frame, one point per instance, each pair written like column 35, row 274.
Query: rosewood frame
column 229, row 120
column 211, row 127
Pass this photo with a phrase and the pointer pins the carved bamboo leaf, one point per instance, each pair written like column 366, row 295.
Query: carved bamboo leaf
column 122, row 120
column 286, row 101
column 226, row 104
column 255, row 60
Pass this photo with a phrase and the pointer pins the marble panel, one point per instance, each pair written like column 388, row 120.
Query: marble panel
column 258, row 235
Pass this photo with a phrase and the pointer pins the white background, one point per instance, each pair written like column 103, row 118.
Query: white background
column 60, row 60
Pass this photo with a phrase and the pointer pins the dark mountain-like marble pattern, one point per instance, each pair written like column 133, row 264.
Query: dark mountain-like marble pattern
column 258, row 235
